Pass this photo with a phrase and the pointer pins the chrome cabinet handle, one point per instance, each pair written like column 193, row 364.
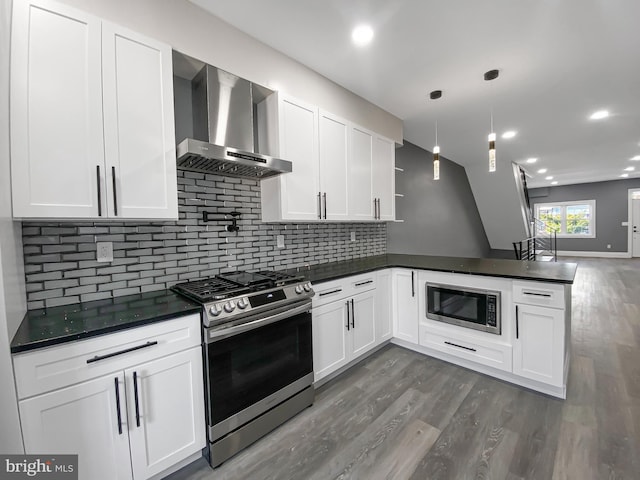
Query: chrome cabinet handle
column 319, row 207
column 97, row 358
column 413, row 288
column 363, row 283
column 460, row 346
column 517, row 324
column 118, row 406
column 324, row 197
column 135, row 395
column 99, row 191
column 353, row 315
column 330, row 292
column 115, row 195
column 347, row 304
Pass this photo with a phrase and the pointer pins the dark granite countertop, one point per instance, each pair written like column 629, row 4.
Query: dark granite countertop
column 552, row 272
column 56, row 325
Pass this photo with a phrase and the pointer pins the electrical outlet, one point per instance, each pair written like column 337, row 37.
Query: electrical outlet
column 353, row 236
column 280, row 241
column 104, row 251
column 608, row 245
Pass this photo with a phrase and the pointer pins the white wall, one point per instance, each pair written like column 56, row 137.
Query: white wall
column 193, row 31
column 12, row 294
column 501, row 213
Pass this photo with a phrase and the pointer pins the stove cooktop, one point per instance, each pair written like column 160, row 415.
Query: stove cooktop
column 233, row 284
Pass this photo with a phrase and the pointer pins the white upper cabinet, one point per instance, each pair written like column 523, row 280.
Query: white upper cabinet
column 384, row 183
column 360, row 196
column 341, row 172
column 294, row 137
column 75, row 81
column 334, row 154
column 138, row 125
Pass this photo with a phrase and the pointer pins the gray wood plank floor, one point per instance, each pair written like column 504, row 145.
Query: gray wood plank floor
column 401, row 415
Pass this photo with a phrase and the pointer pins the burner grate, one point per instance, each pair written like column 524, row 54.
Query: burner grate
column 280, row 278
column 208, row 289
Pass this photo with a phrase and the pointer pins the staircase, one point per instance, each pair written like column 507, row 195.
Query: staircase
column 541, row 247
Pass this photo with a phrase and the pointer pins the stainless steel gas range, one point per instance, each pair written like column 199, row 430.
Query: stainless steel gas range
column 258, row 355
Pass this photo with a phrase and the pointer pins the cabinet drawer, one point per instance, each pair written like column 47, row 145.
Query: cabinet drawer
column 535, row 293
column 495, row 355
column 327, row 292
column 333, row 290
column 59, row 366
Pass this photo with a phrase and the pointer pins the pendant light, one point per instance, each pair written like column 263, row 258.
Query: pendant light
column 488, row 76
column 436, row 94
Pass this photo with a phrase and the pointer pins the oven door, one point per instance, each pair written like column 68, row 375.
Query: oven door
column 254, row 365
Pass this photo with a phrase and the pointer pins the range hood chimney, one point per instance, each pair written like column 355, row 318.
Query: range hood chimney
column 223, row 129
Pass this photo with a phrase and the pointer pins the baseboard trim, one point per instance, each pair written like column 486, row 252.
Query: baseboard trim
column 567, row 253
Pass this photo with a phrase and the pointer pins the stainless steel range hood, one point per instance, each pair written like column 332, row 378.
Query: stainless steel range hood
column 223, row 130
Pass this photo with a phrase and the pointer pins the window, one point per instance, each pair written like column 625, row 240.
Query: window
column 569, row 219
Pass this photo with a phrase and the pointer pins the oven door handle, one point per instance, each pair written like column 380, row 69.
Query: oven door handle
column 215, row 335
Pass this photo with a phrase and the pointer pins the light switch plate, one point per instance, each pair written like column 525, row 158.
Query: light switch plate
column 104, row 251
column 280, row 241
column 353, row 236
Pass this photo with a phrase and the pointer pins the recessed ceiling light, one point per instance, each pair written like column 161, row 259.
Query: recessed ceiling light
column 636, row 158
column 555, row 182
column 629, row 169
column 550, row 177
column 624, row 175
column 542, row 170
column 362, row 35
column 509, row 134
column 599, row 115
column 532, row 160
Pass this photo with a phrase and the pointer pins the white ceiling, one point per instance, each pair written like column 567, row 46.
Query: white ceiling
column 559, row 60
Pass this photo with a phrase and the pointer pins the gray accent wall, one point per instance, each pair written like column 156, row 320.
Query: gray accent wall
column 611, row 210
column 440, row 217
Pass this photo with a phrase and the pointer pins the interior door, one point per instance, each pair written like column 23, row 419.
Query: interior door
column 635, row 217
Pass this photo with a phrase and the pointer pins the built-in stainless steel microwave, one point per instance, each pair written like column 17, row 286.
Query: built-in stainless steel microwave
column 465, row 307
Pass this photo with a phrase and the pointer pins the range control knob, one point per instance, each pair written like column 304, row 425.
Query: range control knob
column 298, row 289
column 307, row 287
column 243, row 303
column 229, row 306
column 215, row 310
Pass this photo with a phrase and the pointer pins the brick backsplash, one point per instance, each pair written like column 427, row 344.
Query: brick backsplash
column 60, row 258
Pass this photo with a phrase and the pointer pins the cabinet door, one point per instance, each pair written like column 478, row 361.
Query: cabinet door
column 333, row 152
column 82, row 419
column 299, row 144
column 405, row 305
column 138, row 125
column 539, row 344
column 384, row 292
column 384, row 179
column 363, row 321
column 360, row 196
column 330, row 350
column 56, row 112
column 170, row 407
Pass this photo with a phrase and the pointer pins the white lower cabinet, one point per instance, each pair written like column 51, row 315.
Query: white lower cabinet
column 538, row 347
column 405, row 305
column 141, row 417
column 83, row 420
column 344, row 322
column 384, row 305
